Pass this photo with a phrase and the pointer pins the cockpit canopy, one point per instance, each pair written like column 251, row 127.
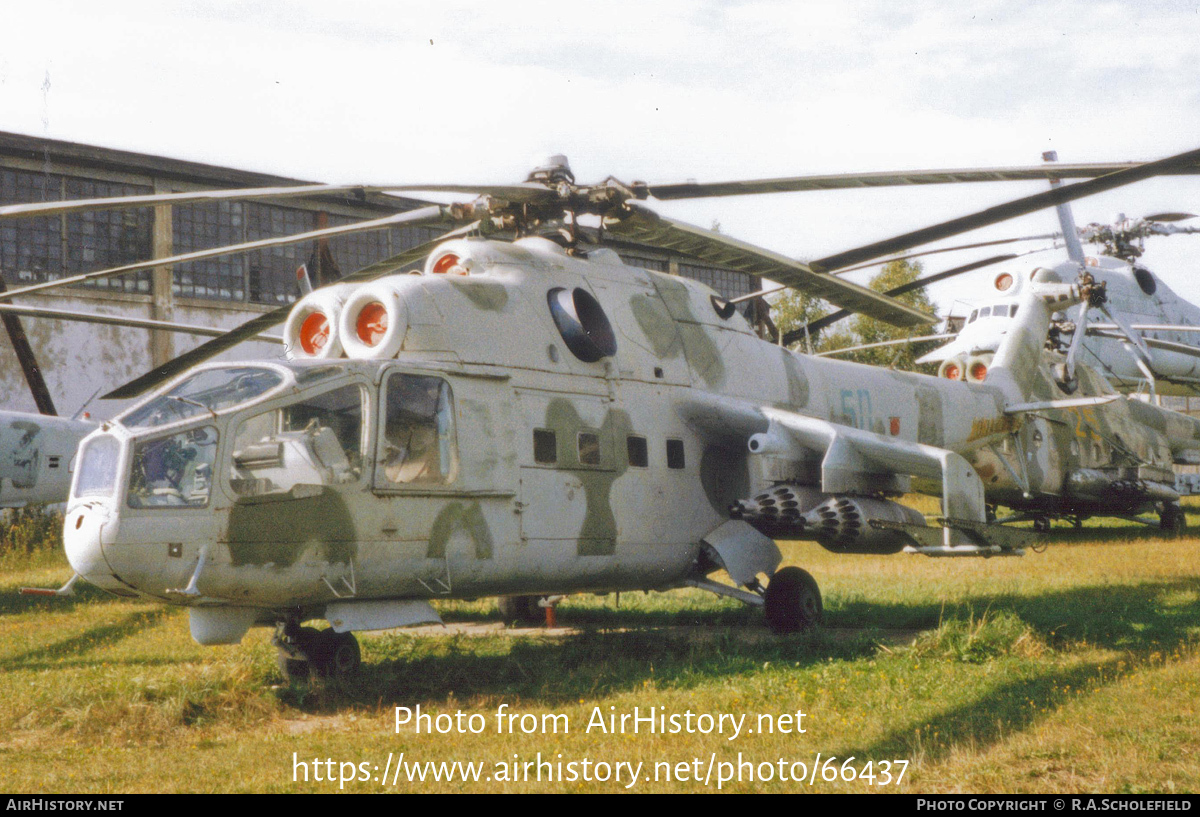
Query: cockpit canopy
column 275, row 428
column 207, row 391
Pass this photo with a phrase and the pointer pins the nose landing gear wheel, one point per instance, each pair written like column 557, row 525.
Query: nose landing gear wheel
column 792, row 602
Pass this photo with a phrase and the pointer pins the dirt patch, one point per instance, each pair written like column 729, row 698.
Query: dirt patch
column 692, row 632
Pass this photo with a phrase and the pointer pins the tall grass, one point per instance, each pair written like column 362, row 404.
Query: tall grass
column 30, row 529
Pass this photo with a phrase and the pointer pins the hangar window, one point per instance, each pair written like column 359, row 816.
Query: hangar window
column 108, row 238
column 271, row 272
column 30, row 248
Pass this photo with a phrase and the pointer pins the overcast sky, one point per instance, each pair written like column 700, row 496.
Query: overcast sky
column 375, row 91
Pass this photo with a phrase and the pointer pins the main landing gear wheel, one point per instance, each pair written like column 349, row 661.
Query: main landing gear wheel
column 340, row 655
column 1172, row 519
column 327, row 654
column 793, row 601
column 521, row 608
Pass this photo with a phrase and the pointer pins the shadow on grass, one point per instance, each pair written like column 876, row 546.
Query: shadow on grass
column 550, row 671
column 99, row 636
column 996, row 714
column 1139, row 618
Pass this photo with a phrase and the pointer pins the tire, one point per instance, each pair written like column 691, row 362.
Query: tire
column 1172, row 520
column 341, row 657
column 793, row 601
column 521, row 608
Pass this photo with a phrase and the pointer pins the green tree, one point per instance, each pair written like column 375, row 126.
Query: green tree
column 794, row 309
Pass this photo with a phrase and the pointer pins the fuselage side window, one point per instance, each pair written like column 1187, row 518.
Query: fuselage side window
column 545, row 446
column 675, row 458
column 639, row 453
column 417, row 440
column 589, row 448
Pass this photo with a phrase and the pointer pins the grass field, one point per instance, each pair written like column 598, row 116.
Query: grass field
column 1072, row 670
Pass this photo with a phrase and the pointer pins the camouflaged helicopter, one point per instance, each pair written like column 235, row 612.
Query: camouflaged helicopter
column 531, row 417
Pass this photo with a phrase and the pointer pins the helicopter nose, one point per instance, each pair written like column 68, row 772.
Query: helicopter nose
column 83, row 541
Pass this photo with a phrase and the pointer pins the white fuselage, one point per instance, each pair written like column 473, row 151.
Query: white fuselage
column 1134, row 293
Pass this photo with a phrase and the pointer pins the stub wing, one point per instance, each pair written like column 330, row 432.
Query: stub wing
column 823, row 481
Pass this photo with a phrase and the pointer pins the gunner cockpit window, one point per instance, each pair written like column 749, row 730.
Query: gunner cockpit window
column 173, row 471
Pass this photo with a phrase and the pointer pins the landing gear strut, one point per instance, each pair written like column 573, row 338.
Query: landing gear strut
column 306, row 651
column 792, row 602
column 524, row 609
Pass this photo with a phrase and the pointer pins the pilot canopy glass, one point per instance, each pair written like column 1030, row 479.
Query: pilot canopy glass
column 205, row 392
column 417, row 438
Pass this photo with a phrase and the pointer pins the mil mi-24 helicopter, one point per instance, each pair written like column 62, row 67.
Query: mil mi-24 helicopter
column 528, row 418
column 1150, row 341
column 1160, row 349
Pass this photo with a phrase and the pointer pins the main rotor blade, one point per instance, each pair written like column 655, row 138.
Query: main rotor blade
column 422, row 215
column 898, row 342
column 525, row 193
column 1155, row 343
column 646, row 226
column 28, row 362
column 843, row 181
column 259, row 324
column 833, row 317
column 53, row 208
column 1170, row 216
column 117, row 320
column 1145, row 327
column 956, row 248
column 1006, row 211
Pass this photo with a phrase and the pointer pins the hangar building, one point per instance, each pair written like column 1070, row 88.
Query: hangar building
column 80, row 360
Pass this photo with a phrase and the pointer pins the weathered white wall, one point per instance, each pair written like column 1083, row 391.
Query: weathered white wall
column 78, row 358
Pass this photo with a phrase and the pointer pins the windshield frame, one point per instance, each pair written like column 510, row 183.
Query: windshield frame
column 191, row 410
